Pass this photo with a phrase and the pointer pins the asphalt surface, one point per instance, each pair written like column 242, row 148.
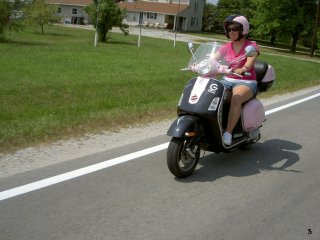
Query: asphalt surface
column 268, row 192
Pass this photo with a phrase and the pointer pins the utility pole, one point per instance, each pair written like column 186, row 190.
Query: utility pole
column 140, row 25
column 96, row 34
column 176, row 27
column 314, row 40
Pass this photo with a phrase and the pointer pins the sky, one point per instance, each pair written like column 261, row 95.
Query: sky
column 213, row 1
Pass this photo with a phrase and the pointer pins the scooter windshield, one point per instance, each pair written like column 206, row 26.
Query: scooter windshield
column 204, row 51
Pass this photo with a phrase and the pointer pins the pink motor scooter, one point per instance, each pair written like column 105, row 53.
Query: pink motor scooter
column 203, row 111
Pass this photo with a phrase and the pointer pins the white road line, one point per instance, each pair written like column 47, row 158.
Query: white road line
column 79, row 172
column 10, row 193
column 292, row 104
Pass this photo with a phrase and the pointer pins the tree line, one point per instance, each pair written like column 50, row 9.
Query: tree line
column 286, row 21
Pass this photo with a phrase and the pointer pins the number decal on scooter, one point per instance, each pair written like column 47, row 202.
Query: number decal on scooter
column 213, row 88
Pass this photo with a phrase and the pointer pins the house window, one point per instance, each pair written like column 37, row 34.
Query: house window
column 151, row 16
column 74, row 11
column 196, row 7
column 59, row 9
column 194, row 22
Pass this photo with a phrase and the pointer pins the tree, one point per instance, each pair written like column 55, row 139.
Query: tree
column 301, row 21
column 315, row 31
column 226, row 8
column 286, row 18
column 109, row 15
column 5, row 13
column 209, row 16
column 41, row 14
column 9, row 19
column 269, row 23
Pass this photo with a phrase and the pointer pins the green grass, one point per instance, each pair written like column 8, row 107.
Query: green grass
column 292, row 74
column 58, row 85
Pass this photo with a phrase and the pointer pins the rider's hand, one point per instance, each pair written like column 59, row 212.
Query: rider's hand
column 193, row 67
column 239, row 71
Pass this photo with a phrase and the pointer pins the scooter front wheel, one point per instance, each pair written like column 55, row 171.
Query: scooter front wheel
column 182, row 157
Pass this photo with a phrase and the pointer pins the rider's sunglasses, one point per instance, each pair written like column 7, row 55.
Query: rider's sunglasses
column 233, row 29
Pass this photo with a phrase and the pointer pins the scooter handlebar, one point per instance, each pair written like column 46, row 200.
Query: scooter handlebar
column 219, row 69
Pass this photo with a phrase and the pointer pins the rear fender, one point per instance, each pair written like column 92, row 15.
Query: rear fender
column 184, row 124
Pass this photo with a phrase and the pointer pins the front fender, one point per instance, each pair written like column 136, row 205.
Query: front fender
column 182, row 125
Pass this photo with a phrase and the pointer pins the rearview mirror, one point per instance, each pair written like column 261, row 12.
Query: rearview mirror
column 251, row 51
column 190, row 46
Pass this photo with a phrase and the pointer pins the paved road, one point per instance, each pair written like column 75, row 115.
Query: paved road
column 269, row 192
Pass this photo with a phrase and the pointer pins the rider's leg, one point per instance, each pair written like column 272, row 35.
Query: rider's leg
column 240, row 94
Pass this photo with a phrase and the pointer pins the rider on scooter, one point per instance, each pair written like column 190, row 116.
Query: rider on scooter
column 245, row 87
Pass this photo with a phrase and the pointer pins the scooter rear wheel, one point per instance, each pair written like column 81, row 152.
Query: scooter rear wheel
column 182, row 158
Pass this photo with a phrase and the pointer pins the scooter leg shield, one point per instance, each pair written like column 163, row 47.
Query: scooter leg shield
column 182, row 125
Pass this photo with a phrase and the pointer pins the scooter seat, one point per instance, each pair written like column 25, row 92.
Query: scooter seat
column 261, row 69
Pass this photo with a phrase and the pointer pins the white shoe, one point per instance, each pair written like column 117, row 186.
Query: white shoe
column 227, row 138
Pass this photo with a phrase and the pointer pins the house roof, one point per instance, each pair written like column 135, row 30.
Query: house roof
column 156, row 7
column 71, row 2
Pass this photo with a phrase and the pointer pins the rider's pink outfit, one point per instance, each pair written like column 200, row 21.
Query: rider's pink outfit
column 228, row 53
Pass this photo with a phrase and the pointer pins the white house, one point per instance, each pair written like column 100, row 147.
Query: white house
column 72, row 11
column 187, row 14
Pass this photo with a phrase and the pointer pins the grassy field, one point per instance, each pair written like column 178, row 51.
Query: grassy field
column 58, row 85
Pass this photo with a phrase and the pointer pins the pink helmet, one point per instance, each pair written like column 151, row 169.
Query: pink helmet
column 239, row 20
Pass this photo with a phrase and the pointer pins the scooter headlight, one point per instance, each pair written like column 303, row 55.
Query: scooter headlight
column 204, row 67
